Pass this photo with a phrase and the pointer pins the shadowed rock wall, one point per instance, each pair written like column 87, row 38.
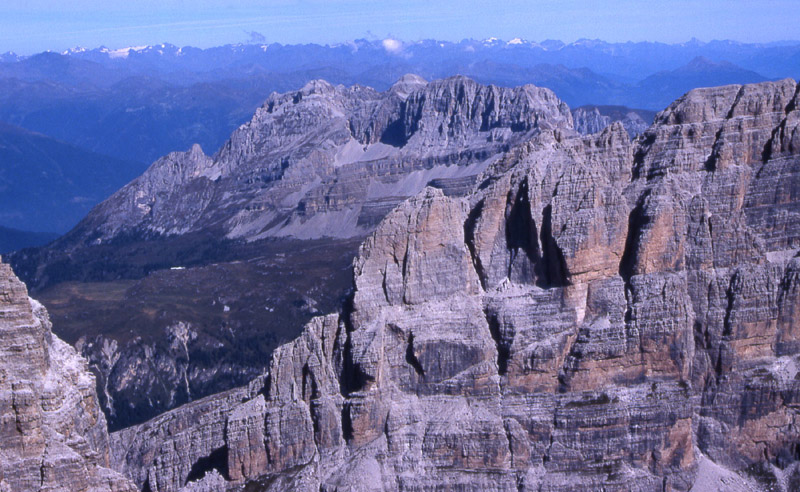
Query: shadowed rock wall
column 595, row 313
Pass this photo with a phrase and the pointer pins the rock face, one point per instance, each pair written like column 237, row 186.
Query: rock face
column 52, row 433
column 596, row 313
column 323, row 162
column 594, row 119
column 329, row 161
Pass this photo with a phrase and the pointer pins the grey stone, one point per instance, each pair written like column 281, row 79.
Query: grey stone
column 596, row 314
column 53, row 434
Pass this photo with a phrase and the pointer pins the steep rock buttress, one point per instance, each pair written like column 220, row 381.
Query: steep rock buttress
column 595, row 313
column 53, row 434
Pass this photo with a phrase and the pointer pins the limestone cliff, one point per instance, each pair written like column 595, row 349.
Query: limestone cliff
column 594, row 119
column 320, row 161
column 52, row 433
column 327, row 161
column 323, row 163
column 596, row 314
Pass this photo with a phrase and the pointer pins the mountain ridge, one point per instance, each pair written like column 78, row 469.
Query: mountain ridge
column 327, row 159
column 550, row 330
column 589, row 312
column 49, row 185
column 275, row 146
column 168, row 101
column 319, row 165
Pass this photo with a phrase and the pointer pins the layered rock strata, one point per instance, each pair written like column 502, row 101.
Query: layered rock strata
column 596, row 314
column 328, row 161
column 321, row 163
column 594, row 119
column 52, row 433
column 323, row 160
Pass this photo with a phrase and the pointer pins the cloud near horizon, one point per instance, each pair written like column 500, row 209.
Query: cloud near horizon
column 29, row 26
column 392, row 45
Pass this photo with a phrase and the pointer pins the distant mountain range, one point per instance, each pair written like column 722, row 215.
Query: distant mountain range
column 659, row 89
column 139, row 103
column 48, row 185
column 629, row 61
column 314, row 170
column 14, row 239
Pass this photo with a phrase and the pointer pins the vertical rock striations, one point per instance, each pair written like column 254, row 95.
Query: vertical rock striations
column 52, row 433
column 327, row 161
column 324, row 163
column 596, row 313
column 594, row 119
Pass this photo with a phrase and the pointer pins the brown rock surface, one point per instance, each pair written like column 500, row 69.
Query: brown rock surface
column 321, row 165
column 596, row 313
column 52, row 433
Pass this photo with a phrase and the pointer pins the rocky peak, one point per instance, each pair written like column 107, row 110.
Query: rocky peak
column 318, row 86
column 145, row 197
column 179, row 167
column 593, row 119
column 454, row 108
column 577, row 321
column 329, row 160
column 407, row 84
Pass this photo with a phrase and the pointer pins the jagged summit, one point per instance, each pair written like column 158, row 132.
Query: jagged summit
column 407, row 84
column 318, row 86
column 411, row 78
column 329, row 160
column 594, row 314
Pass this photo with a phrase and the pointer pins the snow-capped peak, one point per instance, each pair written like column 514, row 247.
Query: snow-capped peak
column 9, row 56
column 123, row 52
column 72, row 51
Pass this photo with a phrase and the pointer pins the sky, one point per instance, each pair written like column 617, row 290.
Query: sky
column 32, row 26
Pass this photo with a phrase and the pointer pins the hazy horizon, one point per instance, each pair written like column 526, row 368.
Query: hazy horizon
column 388, row 42
column 34, row 26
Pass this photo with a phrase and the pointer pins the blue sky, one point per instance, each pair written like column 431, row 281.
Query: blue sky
column 29, row 26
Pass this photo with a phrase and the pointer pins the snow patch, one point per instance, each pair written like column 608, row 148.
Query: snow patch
column 414, row 181
column 352, row 151
column 782, row 256
column 336, row 224
column 124, row 52
column 72, row 51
